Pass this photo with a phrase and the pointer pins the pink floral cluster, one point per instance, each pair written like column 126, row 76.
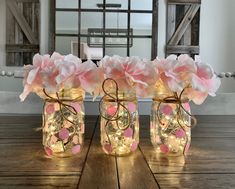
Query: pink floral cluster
column 129, row 73
column 182, row 72
column 56, row 72
column 146, row 78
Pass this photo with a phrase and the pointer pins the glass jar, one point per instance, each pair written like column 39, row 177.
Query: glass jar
column 63, row 122
column 170, row 127
column 119, row 124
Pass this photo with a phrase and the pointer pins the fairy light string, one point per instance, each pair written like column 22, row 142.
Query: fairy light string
column 113, row 97
column 179, row 101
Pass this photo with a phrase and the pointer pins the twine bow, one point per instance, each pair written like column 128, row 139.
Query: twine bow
column 62, row 105
column 113, row 98
column 177, row 99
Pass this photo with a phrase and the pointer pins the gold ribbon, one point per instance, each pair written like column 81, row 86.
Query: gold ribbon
column 177, row 99
column 110, row 97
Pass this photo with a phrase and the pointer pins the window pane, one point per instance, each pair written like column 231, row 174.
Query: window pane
column 123, row 3
column 64, row 45
column 141, row 47
column 141, row 5
column 116, row 51
column 141, row 23
column 116, row 20
column 67, row 22
column 88, row 52
column 90, row 4
column 91, row 20
column 67, row 4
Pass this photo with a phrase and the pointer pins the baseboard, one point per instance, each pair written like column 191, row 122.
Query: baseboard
column 222, row 104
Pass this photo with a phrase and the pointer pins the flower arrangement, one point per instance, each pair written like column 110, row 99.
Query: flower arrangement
column 61, row 81
column 181, row 80
column 56, row 72
column 172, row 82
column 130, row 73
column 125, row 78
column 177, row 73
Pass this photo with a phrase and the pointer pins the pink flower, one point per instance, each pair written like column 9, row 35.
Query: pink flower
column 180, row 133
column 48, row 151
column 56, row 72
column 50, row 109
column 129, row 73
column 111, row 110
column 108, row 148
column 167, row 109
column 164, row 148
column 64, row 134
column 128, row 132
column 178, row 73
column 134, row 146
column 76, row 149
column 131, row 107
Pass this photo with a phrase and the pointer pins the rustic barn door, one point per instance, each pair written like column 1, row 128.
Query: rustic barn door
column 22, row 31
column 183, row 19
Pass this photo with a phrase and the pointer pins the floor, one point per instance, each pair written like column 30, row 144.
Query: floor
column 210, row 162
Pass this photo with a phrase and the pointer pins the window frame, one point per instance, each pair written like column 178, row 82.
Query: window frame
column 104, row 10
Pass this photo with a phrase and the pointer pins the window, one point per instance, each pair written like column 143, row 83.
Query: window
column 94, row 28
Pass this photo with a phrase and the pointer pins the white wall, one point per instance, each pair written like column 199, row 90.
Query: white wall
column 217, row 38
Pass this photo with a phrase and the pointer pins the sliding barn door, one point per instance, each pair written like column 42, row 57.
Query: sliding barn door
column 183, row 20
column 22, row 31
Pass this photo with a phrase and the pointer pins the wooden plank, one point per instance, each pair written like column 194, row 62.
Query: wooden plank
column 22, row 48
column 29, row 159
column 100, row 169
column 154, row 29
column 187, row 34
column 18, row 39
column 182, row 49
column 171, row 21
column 196, row 181
column 216, row 119
column 10, row 37
column 205, row 127
column 22, row 22
column 134, row 172
column 184, row 2
column 39, row 182
column 52, row 27
column 15, row 128
column 184, row 24
column 21, row 152
column 27, row 1
column 206, row 155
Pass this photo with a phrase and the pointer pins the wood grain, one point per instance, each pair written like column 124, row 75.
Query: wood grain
column 206, row 155
column 100, row 169
column 196, row 181
column 184, row 24
column 22, row 22
column 210, row 162
column 184, row 1
column 134, row 172
column 29, row 159
column 39, row 182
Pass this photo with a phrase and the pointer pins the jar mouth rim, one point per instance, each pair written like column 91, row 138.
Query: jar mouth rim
column 172, row 100
column 125, row 99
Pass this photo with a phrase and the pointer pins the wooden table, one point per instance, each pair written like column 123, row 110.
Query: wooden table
column 210, row 163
